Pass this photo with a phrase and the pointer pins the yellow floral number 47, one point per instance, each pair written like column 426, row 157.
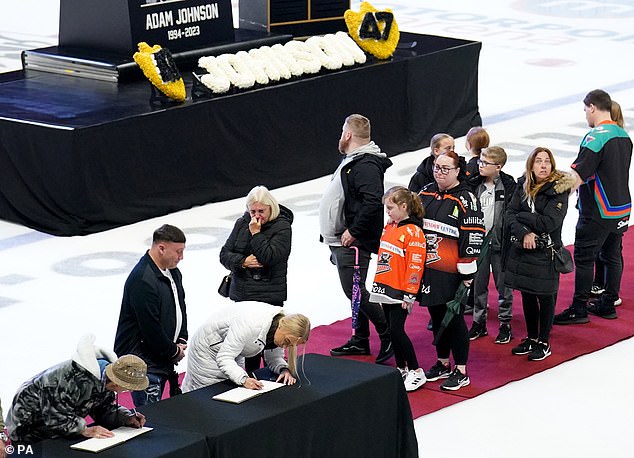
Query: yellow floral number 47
column 375, row 31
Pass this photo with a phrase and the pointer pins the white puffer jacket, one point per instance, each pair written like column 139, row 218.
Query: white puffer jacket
column 217, row 350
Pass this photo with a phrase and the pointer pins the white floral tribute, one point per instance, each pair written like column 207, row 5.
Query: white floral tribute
column 279, row 62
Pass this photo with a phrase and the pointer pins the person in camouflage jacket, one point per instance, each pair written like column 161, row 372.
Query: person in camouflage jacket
column 54, row 403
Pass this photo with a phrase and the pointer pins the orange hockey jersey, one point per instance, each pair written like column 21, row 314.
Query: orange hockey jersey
column 400, row 263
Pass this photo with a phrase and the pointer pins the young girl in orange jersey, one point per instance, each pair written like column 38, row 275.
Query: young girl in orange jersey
column 399, row 270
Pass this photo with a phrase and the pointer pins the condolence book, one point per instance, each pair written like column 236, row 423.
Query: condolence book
column 241, row 394
column 121, row 434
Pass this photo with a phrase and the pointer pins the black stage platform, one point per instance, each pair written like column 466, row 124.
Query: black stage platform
column 80, row 156
column 349, row 409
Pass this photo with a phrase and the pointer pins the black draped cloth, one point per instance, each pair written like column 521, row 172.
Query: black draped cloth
column 348, row 409
column 79, row 156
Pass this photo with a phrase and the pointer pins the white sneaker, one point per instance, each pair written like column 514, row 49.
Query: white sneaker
column 415, row 379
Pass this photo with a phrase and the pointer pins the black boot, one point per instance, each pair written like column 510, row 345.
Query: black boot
column 386, row 351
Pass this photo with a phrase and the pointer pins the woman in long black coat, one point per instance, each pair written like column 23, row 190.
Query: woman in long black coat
column 257, row 252
column 535, row 217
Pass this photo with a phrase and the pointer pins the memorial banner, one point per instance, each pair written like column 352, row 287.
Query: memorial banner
column 182, row 25
column 119, row 25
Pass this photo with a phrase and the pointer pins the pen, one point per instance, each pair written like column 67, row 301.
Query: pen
column 253, row 375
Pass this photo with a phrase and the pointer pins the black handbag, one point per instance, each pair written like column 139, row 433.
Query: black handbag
column 563, row 260
column 225, row 286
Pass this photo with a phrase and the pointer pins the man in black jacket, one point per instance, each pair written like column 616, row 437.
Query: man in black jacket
column 350, row 219
column 153, row 318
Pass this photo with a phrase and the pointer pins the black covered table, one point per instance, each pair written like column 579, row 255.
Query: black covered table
column 79, row 156
column 350, row 409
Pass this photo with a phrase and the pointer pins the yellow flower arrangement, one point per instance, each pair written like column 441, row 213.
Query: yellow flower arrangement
column 159, row 67
column 376, row 32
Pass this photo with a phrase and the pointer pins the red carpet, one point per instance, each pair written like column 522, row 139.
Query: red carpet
column 491, row 365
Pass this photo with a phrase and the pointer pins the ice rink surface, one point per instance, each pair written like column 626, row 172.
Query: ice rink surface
column 539, row 58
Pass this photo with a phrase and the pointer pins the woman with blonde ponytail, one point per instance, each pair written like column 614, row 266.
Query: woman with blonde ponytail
column 296, row 329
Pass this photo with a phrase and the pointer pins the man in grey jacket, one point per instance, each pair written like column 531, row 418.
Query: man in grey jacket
column 351, row 215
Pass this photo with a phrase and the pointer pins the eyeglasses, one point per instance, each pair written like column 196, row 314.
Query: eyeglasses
column 443, row 170
column 483, row 163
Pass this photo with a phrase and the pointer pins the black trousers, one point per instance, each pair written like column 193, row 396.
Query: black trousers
column 404, row 352
column 344, row 259
column 590, row 239
column 539, row 312
column 455, row 338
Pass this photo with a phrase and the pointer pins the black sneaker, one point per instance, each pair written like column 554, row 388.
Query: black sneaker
column 352, row 347
column 571, row 316
column 525, row 347
column 597, row 290
column 437, row 371
column 603, row 311
column 455, row 381
column 504, row 336
column 477, row 330
column 386, row 352
column 617, row 302
column 540, row 352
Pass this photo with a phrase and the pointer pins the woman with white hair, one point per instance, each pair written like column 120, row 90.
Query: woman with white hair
column 257, row 252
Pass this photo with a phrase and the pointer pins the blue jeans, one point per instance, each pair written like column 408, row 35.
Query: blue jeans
column 153, row 393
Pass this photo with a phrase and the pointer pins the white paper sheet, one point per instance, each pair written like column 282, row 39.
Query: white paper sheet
column 241, row 394
column 121, row 434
